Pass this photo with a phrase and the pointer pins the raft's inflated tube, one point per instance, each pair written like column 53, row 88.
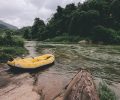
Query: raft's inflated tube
column 35, row 62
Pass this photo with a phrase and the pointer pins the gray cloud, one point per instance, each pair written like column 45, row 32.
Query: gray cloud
column 22, row 12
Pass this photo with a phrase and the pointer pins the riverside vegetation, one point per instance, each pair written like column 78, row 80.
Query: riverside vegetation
column 11, row 46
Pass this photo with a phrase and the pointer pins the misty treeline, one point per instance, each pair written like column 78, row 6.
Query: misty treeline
column 94, row 20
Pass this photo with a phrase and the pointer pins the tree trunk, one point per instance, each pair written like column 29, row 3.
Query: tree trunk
column 81, row 87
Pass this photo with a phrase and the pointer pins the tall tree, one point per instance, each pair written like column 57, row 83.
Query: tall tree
column 37, row 28
column 82, row 22
column 115, row 8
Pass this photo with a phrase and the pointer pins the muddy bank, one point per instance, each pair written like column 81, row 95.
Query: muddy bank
column 20, row 87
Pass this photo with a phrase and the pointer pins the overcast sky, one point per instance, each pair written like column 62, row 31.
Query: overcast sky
column 22, row 12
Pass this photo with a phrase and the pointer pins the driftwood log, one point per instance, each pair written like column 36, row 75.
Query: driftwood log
column 81, row 87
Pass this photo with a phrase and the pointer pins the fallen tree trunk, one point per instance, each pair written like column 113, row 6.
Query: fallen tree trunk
column 81, row 87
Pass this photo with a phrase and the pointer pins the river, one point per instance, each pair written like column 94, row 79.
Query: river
column 102, row 61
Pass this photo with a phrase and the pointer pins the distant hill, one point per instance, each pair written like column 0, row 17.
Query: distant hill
column 4, row 25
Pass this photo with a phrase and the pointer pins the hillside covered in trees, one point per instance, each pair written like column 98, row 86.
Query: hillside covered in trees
column 93, row 20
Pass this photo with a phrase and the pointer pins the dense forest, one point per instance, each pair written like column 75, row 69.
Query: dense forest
column 94, row 20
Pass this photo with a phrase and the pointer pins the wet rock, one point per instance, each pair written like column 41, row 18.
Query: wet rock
column 83, row 42
column 50, row 85
column 20, row 88
column 3, row 82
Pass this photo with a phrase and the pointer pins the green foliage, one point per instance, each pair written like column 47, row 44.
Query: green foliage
column 82, row 22
column 118, row 33
column 9, row 52
column 106, row 35
column 115, row 9
column 60, row 21
column 12, row 50
column 4, row 57
column 10, row 46
column 9, row 40
column 25, row 32
column 37, row 28
column 34, row 32
column 105, row 93
column 65, row 39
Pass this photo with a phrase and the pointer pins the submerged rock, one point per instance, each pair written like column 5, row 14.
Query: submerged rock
column 83, row 42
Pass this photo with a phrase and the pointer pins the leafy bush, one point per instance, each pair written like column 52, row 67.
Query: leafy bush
column 105, row 35
column 118, row 33
column 8, row 40
column 105, row 93
column 9, row 52
column 11, row 46
column 18, row 41
column 4, row 57
column 12, row 50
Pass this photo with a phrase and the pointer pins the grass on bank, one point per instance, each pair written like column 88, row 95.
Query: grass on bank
column 10, row 52
column 105, row 93
column 10, row 47
column 9, row 40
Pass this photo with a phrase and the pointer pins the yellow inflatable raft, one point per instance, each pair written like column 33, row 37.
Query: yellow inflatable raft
column 32, row 63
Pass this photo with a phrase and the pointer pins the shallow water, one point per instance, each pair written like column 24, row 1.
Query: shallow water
column 102, row 61
column 31, row 47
